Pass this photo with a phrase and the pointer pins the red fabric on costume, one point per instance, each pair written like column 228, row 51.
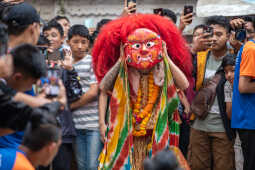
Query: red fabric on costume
column 106, row 50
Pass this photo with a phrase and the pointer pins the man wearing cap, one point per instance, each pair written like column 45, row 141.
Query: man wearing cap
column 23, row 23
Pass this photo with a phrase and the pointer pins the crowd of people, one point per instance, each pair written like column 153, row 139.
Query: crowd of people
column 66, row 92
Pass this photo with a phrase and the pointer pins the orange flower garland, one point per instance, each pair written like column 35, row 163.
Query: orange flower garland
column 142, row 116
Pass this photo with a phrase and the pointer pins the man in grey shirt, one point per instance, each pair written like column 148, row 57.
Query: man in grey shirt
column 209, row 142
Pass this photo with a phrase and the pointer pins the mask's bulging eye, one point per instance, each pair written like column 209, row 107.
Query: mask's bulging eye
column 136, row 46
column 150, row 44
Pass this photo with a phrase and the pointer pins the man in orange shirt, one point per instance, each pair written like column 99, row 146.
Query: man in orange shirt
column 243, row 104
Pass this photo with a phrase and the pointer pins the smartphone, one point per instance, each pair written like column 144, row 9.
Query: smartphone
column 131, row 2
column 52, row 80
column 158, row 11
column 54, row 56
column 188, row 9
column 240, row 34
column 208, row 30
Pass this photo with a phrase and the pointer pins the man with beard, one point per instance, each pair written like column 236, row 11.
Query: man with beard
column 211, row 137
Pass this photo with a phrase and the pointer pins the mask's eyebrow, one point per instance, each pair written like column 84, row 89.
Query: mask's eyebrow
column 139, row 41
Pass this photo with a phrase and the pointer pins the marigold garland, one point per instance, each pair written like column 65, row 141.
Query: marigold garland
column 141, row 116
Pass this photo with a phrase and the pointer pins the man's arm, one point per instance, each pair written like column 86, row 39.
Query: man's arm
column 31, row 100
column 180, row 79
column 246, row 85
column 102, row 113
column 247, row 71
column 185, row 20
column 15, row 115
column 229, row 109
column 87, row 97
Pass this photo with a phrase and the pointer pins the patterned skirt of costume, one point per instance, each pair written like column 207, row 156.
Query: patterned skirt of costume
column 124, row 151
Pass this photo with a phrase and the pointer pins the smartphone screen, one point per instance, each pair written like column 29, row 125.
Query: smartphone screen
column 208, row 30
column 55, row 55
column 52, row 87
column 130, row 1
column 188, row 9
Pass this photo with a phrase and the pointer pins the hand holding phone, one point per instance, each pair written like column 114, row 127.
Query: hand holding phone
column 208, row 30
column 188, row 9
column 187, row 12
column 131, row 4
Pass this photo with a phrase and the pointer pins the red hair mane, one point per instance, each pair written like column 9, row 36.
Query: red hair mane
column 106, row 50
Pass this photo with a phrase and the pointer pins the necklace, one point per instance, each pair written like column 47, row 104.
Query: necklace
column 141, row 116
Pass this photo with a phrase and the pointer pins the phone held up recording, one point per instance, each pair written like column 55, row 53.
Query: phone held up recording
column 187, row 10
column 52, row 80
column 208, row 30
column 131, row 3
column 240, row 34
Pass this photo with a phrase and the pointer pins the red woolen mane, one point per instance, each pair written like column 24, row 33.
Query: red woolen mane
column 106, row 50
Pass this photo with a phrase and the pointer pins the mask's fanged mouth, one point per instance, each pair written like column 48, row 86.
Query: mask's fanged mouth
column 141, row 59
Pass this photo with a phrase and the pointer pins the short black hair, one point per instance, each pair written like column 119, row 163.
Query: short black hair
column 58, row 17
column 80, row 30
column 43, row 40
column 219, row 20
column 249, row 19
column 164, row 160
column 170, row 14
column 198, row 27
column 28, row 59
column 54, row 24
column 100, row 24
column 40, row 131
column 229, row 59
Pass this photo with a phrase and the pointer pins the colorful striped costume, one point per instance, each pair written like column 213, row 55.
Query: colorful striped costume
column 117, row 153
column 142, row 114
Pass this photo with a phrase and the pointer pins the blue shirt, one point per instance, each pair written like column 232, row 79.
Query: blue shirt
column 14, row 140
column 14, row 159
column 243, row 105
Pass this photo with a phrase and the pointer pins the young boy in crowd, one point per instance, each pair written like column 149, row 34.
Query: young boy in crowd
column 85, row 110
column 228, row 65
column 54, row 32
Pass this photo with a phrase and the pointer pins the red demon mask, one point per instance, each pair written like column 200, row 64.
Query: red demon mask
column 143, row 49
